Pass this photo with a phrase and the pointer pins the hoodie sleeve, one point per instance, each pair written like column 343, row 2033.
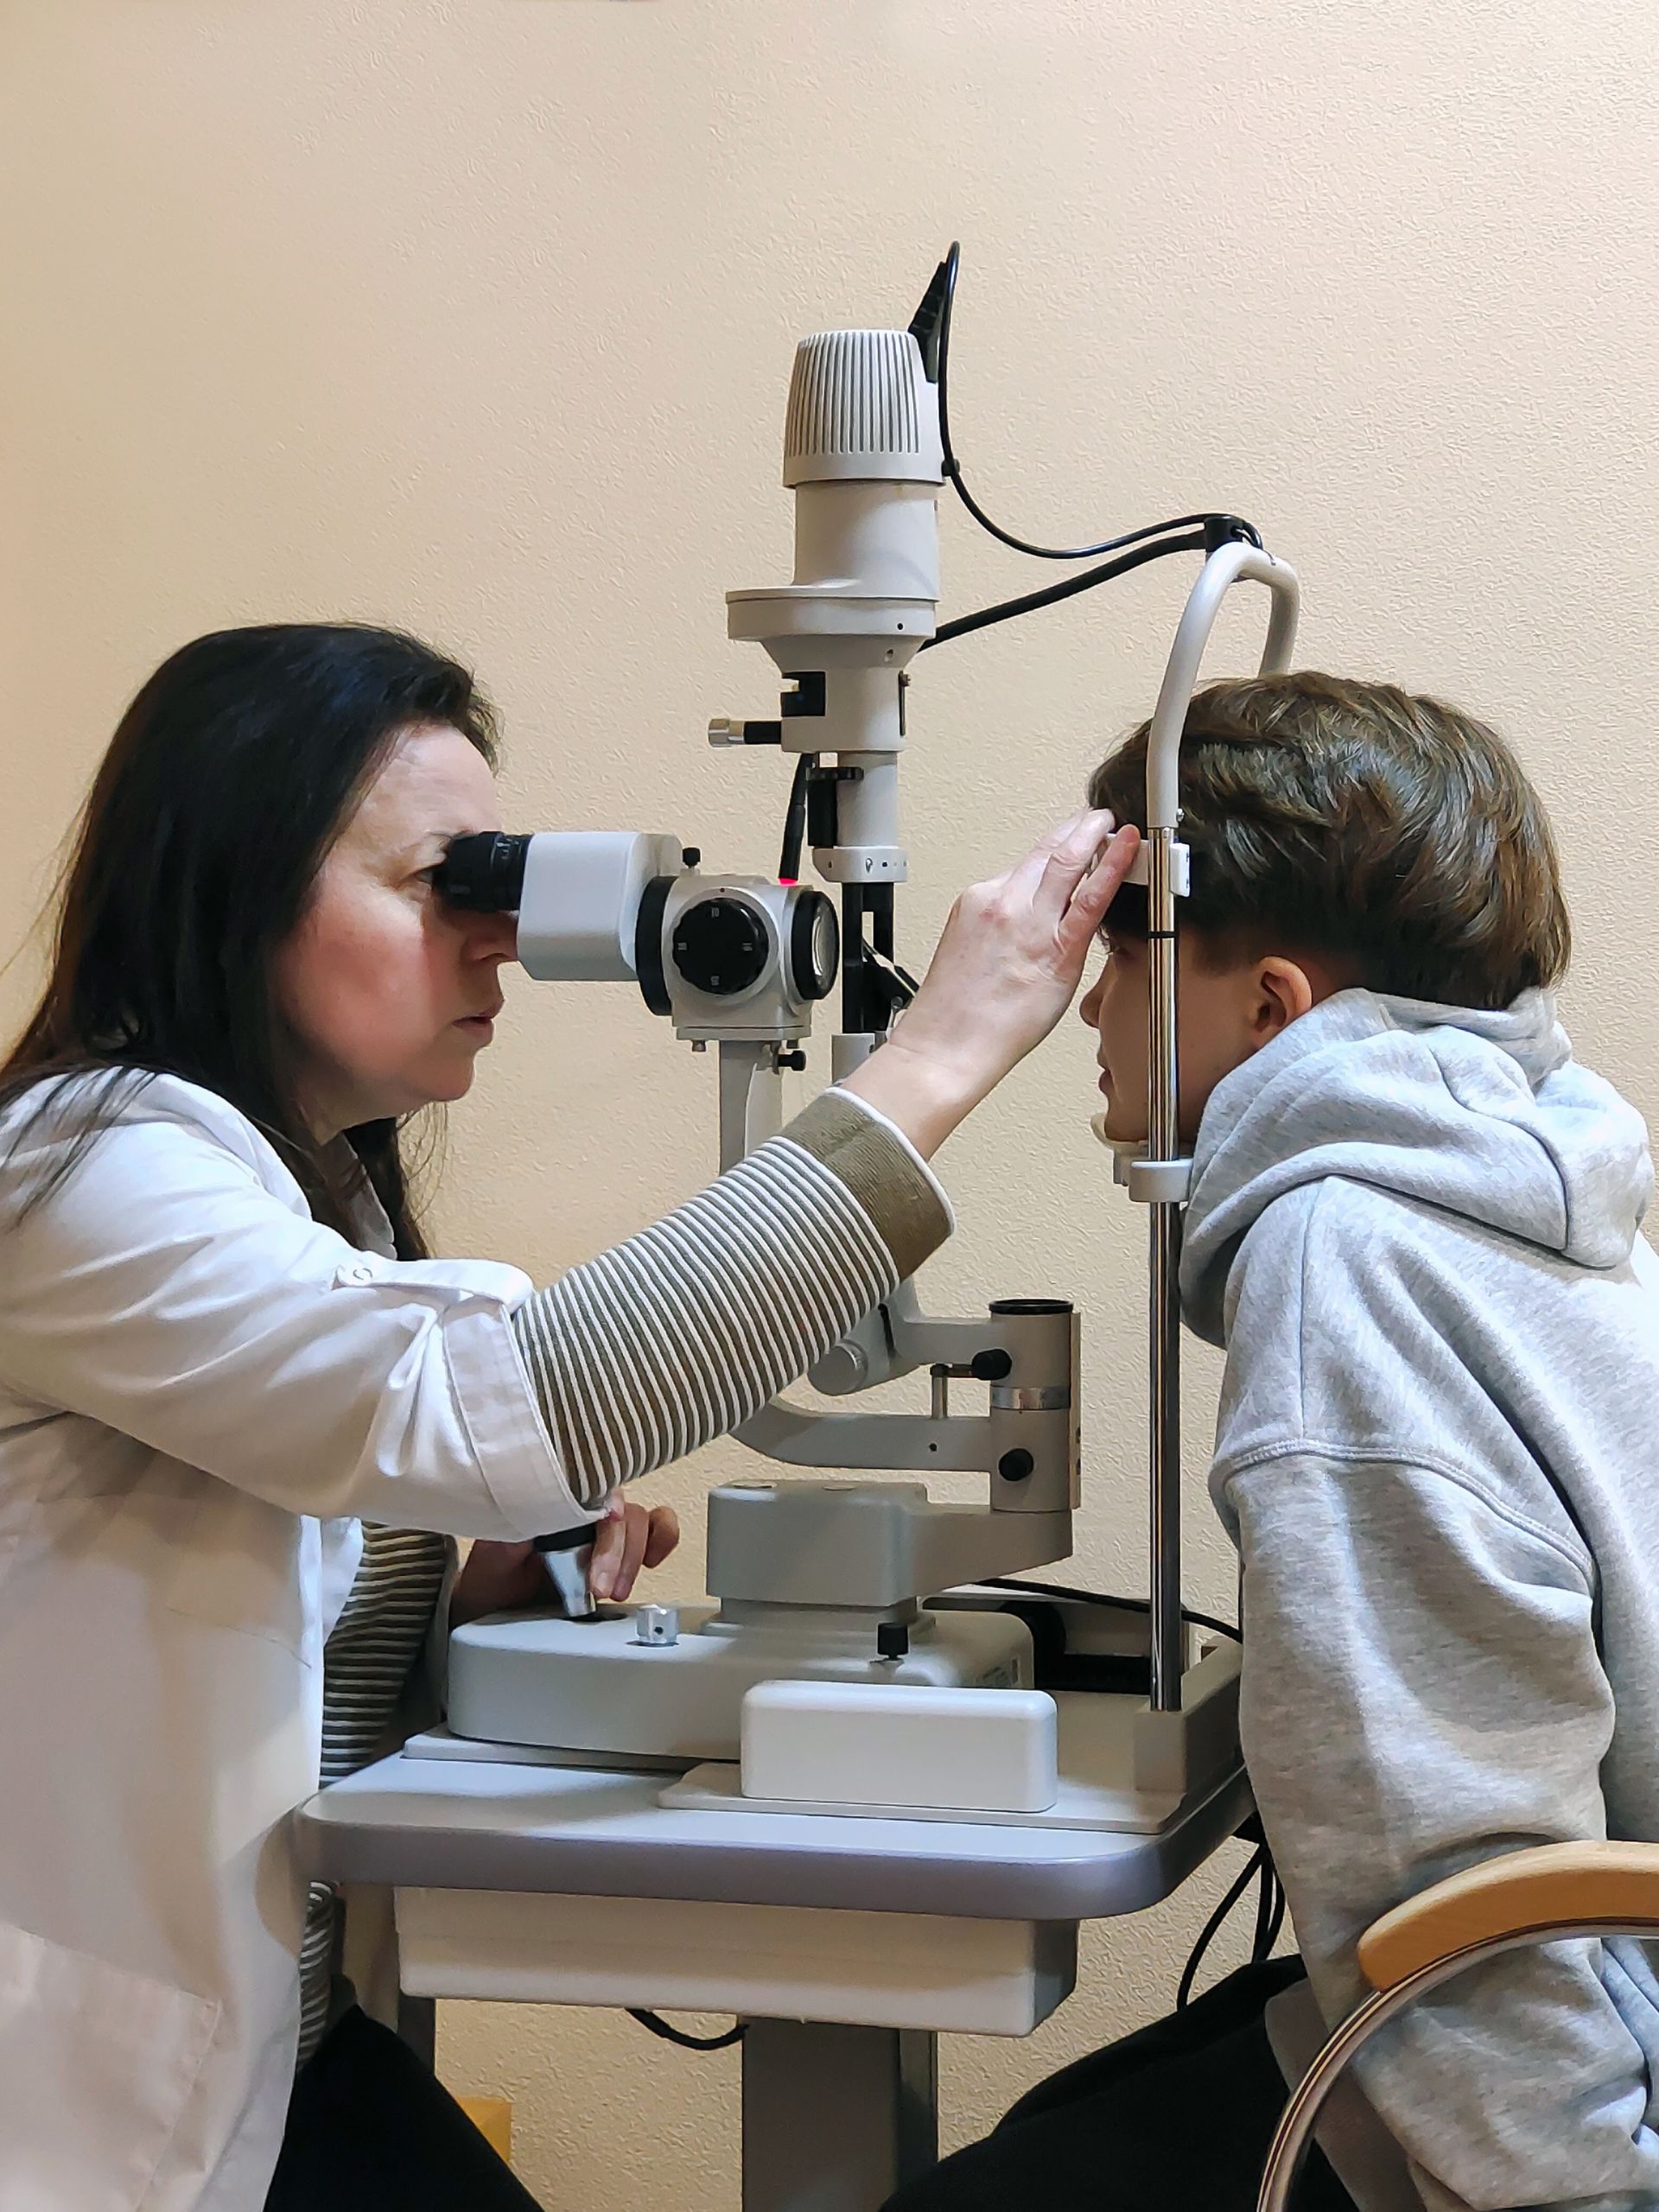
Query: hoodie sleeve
column 1421, row 1691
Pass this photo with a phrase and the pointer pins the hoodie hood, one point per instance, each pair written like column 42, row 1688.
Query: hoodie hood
column 1486, row 1115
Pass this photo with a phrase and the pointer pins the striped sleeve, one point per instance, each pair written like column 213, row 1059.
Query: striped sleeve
column 685, row 1332
column 365, row 1664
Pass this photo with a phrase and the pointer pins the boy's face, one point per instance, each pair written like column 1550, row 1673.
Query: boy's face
column 1228, row 1009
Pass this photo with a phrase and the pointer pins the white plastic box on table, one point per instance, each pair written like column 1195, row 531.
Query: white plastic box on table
column 893, row 1745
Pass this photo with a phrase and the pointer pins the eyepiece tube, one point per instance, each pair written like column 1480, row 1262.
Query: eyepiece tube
column 484, row 873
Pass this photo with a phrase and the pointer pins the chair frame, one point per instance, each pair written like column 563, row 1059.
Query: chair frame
column 1551, row 1893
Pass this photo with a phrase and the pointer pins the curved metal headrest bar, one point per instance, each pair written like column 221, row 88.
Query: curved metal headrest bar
column 1229, row 565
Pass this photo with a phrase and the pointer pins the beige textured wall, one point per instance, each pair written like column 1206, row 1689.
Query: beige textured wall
column 476, row 315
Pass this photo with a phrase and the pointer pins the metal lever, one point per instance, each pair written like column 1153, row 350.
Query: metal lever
column 567, row 1570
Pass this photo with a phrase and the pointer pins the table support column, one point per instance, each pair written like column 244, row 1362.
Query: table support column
column 836, row 2118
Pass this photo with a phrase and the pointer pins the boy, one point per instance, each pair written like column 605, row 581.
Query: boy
column 1414, row 1226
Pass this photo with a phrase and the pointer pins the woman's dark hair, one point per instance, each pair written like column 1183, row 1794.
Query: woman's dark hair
column 230, row 776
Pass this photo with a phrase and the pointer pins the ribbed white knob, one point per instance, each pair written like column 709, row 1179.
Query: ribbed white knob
column 861, row 409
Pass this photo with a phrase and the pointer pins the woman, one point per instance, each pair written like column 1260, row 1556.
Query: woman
column 224, row 1348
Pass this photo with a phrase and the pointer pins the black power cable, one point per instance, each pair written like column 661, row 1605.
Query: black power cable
column 1267, row 1900
column 1180, row 534
column 789, row 861
column 1100, row 1598
column 1196, row 541
column 1275, row 1917
column 658, row 2026
column 1255, row 1865
column 932, row 331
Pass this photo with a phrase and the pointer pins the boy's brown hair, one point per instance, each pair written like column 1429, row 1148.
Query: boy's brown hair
column 1388, row 832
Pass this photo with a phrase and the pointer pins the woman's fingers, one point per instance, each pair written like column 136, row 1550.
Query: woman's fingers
column 663, row 1535
column 1093, row 892
column 627, row 1538
column 1070, row 842
column 610, row 1542
column 618, row 1549
column 1073, row 855
column 636, row 1523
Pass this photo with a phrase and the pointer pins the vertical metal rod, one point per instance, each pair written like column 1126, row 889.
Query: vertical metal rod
column 853, row 996
column 879, row 899
column 417, row 2026
column 1163, row 1142
column 741, row 1066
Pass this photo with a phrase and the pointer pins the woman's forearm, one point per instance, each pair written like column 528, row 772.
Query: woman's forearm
column 676, row 1337
column 687, row 1329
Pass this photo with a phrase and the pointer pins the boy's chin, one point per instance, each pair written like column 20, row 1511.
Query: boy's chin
column 1115, row 1127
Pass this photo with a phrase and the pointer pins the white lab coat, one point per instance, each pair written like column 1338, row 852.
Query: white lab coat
column 200, row 1390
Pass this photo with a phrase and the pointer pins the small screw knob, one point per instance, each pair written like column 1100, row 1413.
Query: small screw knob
column 690, row 856
column 795, row 1060
column 656, row 1624
column 991, row 1366
column 1014, row 1466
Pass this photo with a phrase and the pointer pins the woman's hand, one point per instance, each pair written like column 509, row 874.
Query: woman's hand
column 501, row 1577
column 1006, row 968
column 628, row 1538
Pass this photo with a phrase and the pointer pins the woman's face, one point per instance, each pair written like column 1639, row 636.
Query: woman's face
column 392, row 993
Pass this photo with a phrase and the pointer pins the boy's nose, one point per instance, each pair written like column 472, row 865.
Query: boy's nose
column 1089, row 1005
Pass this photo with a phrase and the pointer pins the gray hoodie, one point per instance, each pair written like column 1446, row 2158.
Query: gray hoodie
column 1415, row 1228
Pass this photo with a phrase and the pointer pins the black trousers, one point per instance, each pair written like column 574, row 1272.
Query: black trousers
column 369, row 2129
column 1175, row 2118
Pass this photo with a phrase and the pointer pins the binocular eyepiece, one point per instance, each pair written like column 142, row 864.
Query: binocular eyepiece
column 485, row 873
column 736, row 958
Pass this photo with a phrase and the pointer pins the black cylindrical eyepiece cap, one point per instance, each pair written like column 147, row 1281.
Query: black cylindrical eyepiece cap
column 485, row 873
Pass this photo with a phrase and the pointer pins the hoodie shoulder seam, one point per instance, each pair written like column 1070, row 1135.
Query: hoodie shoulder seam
column 1415, row 1461
column 1304, row 1262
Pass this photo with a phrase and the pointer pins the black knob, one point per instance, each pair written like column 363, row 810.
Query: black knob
column 795, row 1060
column 1014, row 1466
column 690, row 856
column 891, row 1640
column 720, row 946
column 991, row 1367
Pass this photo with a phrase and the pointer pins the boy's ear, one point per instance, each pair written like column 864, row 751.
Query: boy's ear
column 1283, row 993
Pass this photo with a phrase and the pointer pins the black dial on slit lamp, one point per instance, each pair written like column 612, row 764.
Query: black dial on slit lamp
column 814, row 946
column 720, row 946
